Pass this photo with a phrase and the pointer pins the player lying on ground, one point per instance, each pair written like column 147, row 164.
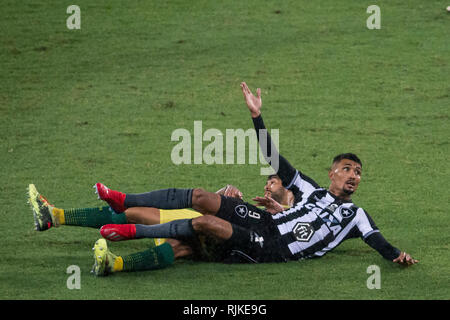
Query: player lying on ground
column 47, row 216
column 317, row 223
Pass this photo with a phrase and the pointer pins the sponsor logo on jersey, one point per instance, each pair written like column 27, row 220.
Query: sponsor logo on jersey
column 332, row 208
column 303, row 231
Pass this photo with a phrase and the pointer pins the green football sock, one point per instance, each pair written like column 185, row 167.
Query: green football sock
column 93, row 217
column 153, row 258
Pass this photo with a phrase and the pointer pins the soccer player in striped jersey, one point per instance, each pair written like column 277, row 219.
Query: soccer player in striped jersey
column 317, row 223
column 323, row 218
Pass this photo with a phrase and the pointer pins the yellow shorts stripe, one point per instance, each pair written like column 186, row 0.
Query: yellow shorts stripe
column 170, row 215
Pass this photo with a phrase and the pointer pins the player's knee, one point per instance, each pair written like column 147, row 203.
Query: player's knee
column 203, row 224
column 199, row 196
column 205, row 202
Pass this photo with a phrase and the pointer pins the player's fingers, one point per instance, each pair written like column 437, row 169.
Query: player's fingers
column 404, row 259
column 411, row 260
column 247, row 89
column 258, row 93
column 243, row 90
column 407, row 259
column 399, row 259
column 262, row 202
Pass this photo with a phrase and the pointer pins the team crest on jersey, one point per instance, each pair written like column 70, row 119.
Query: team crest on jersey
column 241, row 210
column 303, row 231
column 347, row 212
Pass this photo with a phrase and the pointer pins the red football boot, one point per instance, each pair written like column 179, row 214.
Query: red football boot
column 118, row 232
column 115, row 199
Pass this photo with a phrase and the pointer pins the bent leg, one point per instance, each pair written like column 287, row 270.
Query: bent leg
column 187, row 228
column 178, row 229
column 198, row 199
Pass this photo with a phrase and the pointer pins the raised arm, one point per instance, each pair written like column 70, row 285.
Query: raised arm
column 291, row 178
column 284, row 169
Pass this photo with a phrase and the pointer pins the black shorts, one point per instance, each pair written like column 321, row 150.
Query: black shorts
column 259, row 239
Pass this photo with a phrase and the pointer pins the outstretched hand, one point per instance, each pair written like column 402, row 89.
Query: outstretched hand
column 253, row 103
column 271, row 205
column 405, row 259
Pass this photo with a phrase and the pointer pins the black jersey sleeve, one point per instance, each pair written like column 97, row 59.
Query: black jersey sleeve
column 372, row 236
column 291, row 178
column 286, row 171
column 379, row 243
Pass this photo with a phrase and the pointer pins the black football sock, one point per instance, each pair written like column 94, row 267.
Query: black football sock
column 176, row 229
column 161, row 199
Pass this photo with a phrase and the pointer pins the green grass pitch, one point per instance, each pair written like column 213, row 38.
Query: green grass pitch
column 100, row 104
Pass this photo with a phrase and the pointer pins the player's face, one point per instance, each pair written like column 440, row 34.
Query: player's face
column 345, row 177
column 274, row 189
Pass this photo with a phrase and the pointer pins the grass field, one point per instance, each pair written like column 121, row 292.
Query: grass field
column 100, row 104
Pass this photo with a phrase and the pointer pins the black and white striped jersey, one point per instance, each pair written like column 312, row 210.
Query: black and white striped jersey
column 319, row 221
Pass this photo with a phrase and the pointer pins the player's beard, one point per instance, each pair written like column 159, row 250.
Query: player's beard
column 348, row 192
column 277, row 196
